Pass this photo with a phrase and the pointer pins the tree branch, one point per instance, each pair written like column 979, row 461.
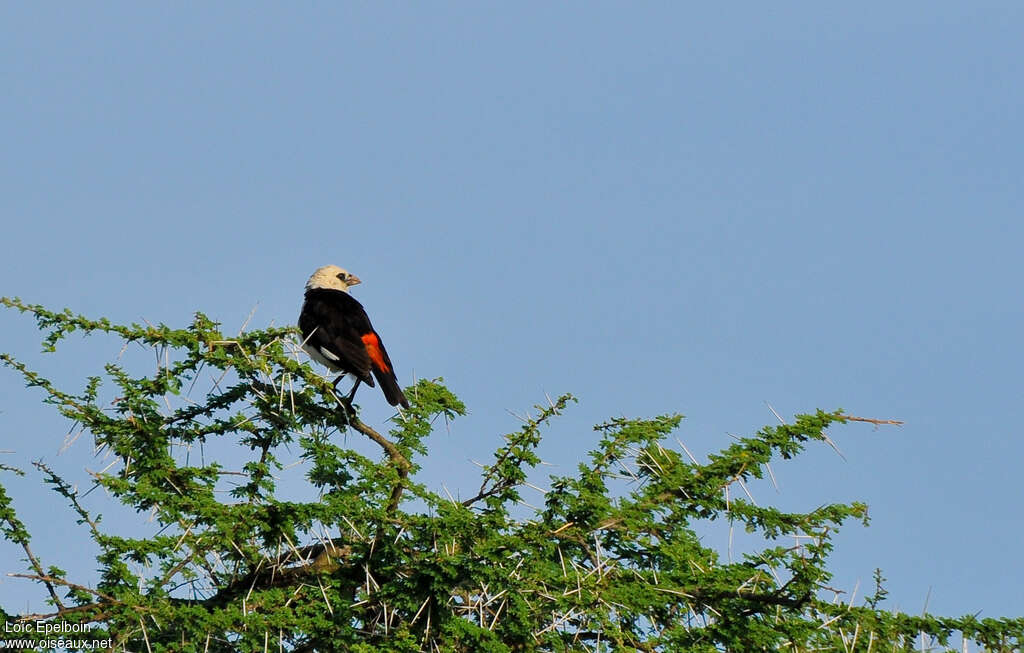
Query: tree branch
column 869, row 420
column 60, row 581
column 396, row 456
column 46, row 580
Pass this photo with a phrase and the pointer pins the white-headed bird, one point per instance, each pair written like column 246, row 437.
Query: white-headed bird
column 337, row 333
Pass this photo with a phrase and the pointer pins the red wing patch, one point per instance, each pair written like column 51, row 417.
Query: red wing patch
column 372, row 343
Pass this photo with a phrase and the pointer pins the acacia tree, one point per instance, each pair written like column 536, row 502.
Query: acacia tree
column 376, row 561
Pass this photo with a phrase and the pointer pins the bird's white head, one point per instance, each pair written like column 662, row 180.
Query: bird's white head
column 332, row 277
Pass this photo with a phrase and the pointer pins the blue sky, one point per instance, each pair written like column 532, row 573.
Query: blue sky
column 657, row 207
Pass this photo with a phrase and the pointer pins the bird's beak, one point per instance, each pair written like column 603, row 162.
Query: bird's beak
column 352, row 280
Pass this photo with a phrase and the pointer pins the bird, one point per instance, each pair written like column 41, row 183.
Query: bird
column 336, row 332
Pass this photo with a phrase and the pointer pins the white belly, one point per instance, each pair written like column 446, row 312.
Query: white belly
column 324, row 357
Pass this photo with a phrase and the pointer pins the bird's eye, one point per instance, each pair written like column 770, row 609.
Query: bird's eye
column 343, row 275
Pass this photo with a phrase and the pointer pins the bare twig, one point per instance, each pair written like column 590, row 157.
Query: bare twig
column 870, row 420
column 60, row 581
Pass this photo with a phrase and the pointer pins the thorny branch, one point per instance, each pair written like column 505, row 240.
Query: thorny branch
column 41, row 576
column 45, row 578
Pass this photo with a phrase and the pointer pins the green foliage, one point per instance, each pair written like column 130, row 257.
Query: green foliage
column 373, row 560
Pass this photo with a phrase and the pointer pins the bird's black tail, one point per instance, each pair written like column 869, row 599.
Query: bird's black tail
column 389, row 384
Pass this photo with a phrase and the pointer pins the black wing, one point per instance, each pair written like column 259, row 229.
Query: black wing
column 333, row 322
